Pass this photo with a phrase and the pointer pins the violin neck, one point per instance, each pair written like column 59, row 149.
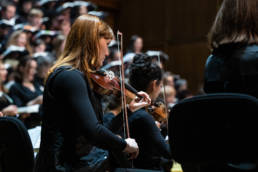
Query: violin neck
column 133, row 90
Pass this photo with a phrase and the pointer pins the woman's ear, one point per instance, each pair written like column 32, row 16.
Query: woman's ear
column 153, row 85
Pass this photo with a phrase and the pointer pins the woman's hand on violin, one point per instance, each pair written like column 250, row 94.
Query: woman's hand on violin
column 140, row 103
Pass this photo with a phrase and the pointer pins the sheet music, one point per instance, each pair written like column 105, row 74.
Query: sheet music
column 29, row 109
column 35, row 136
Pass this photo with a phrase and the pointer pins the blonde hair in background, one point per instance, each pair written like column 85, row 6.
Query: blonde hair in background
column 13, row 40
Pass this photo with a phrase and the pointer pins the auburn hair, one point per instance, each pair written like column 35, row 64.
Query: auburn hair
column 235, row 22
column 81, row 49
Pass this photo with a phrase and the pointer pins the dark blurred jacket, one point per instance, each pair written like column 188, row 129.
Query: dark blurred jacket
column 232, row 68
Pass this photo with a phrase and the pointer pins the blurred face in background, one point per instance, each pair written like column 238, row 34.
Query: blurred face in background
column 3, row 73
column 83, row 10
column 65, row 27
column 138, row 44
column 4, row 30
column 9, row 12
column 22, row 40
column 29, row 70
column 40, row 48
column 170, row 81
column 26, row 6
column 35, row 21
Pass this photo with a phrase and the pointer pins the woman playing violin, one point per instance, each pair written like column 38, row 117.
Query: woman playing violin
column 146, row 75
column 72, row 115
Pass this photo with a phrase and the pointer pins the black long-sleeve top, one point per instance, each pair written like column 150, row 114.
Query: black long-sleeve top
column 232, row 68
column 152, row 146
column 21, row 95
column 72, row 123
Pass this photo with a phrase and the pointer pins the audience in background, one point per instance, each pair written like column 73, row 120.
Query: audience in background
column 25, row 91
column 6, row 103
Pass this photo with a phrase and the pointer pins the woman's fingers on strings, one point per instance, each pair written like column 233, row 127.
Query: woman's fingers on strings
column 145, row 96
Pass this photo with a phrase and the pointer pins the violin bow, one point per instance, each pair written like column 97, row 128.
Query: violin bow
column 122, row 81
column 164, row 93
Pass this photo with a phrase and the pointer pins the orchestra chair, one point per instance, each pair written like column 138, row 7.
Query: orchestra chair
column 16, row 152
column 215, row 132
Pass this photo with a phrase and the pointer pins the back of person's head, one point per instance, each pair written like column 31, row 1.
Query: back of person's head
column 43, row 65
column 81, row 49
column 143, row 71
column 236, row 22
column 181, row 84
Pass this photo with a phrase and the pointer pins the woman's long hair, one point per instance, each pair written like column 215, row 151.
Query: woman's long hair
column 236, row 22
column 81, row 49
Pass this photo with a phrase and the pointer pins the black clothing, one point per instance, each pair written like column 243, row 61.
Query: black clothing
column 5, row 100
column 21, row 95
column 72, row 123
column 232, row 68
column 151, row 143
column 108, row 117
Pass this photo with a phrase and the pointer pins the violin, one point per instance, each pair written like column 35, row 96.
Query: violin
column 158, row 111
column 105, row 83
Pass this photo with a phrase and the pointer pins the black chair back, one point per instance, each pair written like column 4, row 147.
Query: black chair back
column 211, row 128
column 16, row 151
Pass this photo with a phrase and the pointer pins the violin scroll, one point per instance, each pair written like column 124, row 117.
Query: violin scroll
column 105, row 83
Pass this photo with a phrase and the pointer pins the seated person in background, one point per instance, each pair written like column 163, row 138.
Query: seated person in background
column 25, row 91
column 19, row 38
column 135, row 44
column 8, row 11
column 43, row 65
column 233, row 38
column 170, row 94
column 6, row 103
column 147, row 76
column 233, row 64
column 169, row 79
column 35, row 18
